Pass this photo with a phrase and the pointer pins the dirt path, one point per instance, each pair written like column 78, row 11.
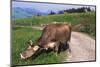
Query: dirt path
column 82, row 47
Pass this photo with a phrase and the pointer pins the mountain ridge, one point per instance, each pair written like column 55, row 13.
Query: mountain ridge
column 19, row 12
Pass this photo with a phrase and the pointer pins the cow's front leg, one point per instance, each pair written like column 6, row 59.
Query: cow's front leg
column 56, row 48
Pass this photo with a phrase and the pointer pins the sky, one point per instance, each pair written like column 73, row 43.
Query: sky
column 44, row 7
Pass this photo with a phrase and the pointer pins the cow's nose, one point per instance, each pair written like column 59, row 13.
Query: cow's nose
column 22, row 57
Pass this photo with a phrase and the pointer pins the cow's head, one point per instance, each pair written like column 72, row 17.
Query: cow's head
column 29, row 51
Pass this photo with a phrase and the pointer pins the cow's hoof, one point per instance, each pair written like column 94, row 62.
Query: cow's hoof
column 69, row 54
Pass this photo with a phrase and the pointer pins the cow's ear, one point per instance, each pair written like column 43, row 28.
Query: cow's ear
column 29, row 47
column 30, row 42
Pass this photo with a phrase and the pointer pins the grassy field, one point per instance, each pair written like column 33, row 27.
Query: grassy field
column 66, row 17
column 86, row 19
column 20, row 36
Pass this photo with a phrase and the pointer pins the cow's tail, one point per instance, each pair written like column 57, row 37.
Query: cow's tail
column 70, row 30
column 70, row 27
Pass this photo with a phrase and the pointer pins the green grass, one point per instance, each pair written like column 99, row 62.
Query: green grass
column 66, row 17
column 20, row 36
column 86, row 19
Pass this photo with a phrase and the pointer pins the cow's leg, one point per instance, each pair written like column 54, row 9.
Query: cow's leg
column 68, row 43
column 56, row 48
column 69, row 48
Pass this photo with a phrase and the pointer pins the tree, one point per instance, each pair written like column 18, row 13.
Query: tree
column 75, row 10
column 61, row 12
column 38, row 14
column 88, row 9
column 51, row 13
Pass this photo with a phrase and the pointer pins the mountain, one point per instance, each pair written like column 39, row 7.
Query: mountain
column 19, row 12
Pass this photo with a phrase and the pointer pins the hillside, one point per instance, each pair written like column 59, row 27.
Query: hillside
column 86, row 20
column 19, row 12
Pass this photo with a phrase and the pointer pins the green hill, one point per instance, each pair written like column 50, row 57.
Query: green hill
column 87, row 20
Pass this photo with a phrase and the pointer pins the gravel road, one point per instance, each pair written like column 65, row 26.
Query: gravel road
column 82, row 48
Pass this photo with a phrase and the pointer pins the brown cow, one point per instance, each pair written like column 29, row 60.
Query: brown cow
column 53, row 35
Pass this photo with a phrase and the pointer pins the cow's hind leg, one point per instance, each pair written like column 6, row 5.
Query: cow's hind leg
column 69, row 49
